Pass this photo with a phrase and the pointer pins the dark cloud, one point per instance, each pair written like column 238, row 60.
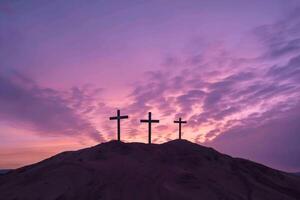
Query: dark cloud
column 273, row 142
column 281, row 38
column 290, row 71
column 190, row 98
column 25, row 104
column 253, row 109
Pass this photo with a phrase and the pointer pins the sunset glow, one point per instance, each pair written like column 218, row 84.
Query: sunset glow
column 230, row 68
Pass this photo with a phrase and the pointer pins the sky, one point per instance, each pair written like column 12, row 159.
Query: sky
column 230, row 68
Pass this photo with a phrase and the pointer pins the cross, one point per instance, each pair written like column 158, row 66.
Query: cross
column 149, row 121
column 180, row 122
column 118, row 118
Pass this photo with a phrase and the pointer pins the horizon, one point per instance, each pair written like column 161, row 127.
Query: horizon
column 137, row 142
column 145, row 143
column 231, row 69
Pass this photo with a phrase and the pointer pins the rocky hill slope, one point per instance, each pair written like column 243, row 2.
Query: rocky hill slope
column 176, row 170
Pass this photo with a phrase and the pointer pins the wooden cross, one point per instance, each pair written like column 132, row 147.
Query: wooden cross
column 180, row 122
column 149, row 121
column 118, row 118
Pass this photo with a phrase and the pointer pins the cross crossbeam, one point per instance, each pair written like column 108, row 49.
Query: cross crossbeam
column 149, row 121
column 118, row 118
column 180, row 122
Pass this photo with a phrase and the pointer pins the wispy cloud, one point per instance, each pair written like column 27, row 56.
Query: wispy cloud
column 27, row 105
column 218, row 89
column 270, row 138
column 219, row 93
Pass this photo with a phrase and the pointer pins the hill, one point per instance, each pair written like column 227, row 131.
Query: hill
column 4, row 171
column 176, row 170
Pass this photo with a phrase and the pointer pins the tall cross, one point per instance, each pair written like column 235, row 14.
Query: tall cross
column 118, row 118
column 149, row 121
column 180, row 122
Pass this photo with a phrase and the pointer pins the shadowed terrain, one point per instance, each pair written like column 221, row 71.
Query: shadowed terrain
column 4, row 171
column 174, row 170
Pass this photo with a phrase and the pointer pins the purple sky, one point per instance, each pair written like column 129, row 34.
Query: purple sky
column 230, row 68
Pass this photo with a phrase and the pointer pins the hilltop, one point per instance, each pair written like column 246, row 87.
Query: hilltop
column 176, row 170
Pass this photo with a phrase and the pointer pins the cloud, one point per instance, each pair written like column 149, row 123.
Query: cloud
column 243, row 109
column 281, row 38
column 191, row 97
column 273, row 142
column 290, row 71
column 25, row 104
column 224, row 97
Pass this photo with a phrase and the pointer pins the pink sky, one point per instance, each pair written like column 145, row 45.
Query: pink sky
column 230, row 68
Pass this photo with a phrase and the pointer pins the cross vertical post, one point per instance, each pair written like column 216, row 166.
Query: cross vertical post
column 180, row 122
column 149, row 128
column 149, row 121
column 119, row 126
column 118, row 118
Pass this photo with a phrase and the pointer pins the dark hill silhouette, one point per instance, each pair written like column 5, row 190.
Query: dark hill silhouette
column 4, row 171
column 176, row 170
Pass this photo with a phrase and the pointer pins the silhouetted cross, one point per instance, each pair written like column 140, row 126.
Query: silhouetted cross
column 180, row 122
column 149, row 121
column 118, row 118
